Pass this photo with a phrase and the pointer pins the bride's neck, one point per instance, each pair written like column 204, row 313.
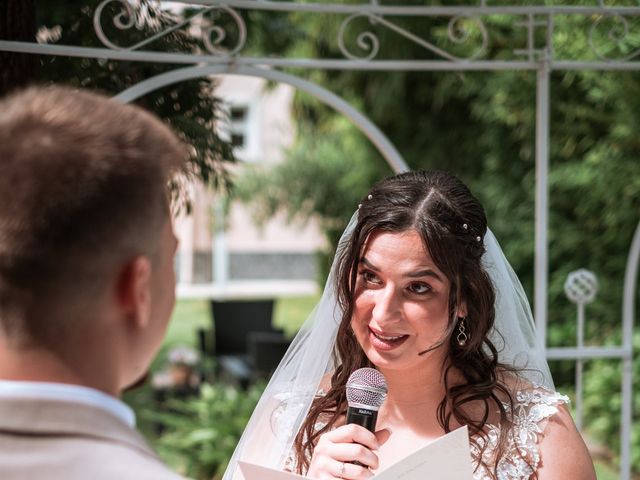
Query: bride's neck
column 407, row 389
column 411, row 393
column 412, row 404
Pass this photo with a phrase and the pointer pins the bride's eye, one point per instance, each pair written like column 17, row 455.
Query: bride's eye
column 419, row 288
column 370, row 277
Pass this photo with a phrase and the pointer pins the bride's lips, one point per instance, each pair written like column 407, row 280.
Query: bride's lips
column 385, row 341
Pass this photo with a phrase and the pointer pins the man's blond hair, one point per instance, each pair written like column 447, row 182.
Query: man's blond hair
column 83, row 188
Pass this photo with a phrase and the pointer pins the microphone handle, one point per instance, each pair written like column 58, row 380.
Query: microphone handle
column 362, row 416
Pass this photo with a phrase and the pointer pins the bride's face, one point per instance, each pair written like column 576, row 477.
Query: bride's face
column 401, row 302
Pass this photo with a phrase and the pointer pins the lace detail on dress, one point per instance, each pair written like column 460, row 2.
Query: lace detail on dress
column 532, row 409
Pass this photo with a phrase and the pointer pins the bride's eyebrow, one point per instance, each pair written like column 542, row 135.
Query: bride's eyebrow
column 368, row 264
column 427, row 272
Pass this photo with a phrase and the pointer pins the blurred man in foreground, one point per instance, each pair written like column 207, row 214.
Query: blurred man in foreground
column 86, row 281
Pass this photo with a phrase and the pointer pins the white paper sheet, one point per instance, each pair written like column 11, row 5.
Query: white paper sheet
column 447, row 458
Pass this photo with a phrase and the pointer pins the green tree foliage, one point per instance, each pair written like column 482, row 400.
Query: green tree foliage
column 318, row 181
column 190, row 107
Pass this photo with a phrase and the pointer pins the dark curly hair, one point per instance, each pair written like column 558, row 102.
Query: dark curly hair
column 452, row 224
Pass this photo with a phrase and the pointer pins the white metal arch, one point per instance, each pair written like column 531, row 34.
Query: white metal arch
column 366, row 126
column 628, row 316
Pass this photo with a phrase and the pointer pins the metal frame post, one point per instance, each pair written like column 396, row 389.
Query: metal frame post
column 628, row 312
column 541, row 272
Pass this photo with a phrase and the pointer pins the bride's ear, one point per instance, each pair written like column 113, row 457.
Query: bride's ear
column 461, row 311
column 461, row 303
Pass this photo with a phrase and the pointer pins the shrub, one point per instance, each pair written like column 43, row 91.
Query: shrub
column 200, row 433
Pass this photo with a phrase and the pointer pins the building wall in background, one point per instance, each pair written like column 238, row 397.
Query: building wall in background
column 261, row 126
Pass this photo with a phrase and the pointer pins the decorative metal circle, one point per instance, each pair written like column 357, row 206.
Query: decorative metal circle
column 581, row 286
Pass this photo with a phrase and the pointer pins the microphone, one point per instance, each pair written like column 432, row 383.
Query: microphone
column 366, row 390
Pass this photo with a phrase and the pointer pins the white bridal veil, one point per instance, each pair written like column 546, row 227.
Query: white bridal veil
column 269, row 435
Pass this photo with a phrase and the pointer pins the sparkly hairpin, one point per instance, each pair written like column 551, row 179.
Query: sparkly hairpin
column 466, row 229
column 369, row 197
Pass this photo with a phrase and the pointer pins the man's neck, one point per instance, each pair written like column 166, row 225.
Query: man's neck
column 41, row 365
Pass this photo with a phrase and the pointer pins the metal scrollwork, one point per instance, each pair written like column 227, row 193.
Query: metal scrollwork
column 366, row 40
column 124, row 20
column 212, row 35
column 213, row 46
column 618, row 33
column 458, row 32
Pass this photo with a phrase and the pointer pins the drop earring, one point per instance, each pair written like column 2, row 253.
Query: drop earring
column 462, row 336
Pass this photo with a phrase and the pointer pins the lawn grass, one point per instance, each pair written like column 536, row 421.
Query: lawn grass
column 291, row 313
column 605, row 472
column 188, row 316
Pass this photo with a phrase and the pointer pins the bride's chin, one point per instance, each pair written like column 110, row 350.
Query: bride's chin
column 382, row 359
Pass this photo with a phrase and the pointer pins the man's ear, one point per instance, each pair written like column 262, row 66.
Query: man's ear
column 134, row 291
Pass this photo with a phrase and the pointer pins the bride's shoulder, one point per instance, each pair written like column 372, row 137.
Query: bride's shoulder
column 546, row 433
column 529, row 407
column 540, row 424
column 562, row 451
column 522, row 393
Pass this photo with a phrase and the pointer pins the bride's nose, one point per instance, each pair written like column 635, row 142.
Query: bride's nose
column 387, row 305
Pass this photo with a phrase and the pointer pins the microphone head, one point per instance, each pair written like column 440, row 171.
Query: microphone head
column 366, row 388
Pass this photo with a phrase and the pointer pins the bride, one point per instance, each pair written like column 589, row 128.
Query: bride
column 421, row 291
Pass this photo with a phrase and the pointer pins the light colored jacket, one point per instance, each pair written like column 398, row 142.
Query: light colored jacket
column 58, row 440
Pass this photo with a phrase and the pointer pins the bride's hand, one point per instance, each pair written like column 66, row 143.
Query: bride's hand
column 337, row 450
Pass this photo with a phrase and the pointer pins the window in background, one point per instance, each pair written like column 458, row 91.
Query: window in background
column 238, row 126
